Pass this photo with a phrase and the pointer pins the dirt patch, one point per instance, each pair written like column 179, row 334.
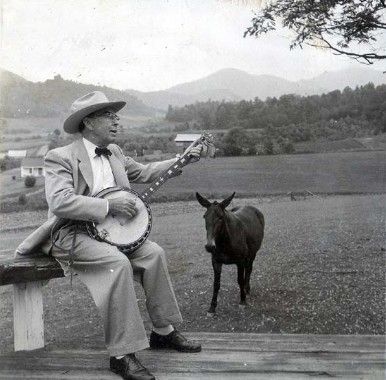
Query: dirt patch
column 320, row 271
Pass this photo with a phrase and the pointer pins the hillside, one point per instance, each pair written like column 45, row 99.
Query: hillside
column 233, row 85
column 21, row 98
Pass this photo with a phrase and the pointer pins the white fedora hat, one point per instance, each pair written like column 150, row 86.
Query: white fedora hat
column 85, row 105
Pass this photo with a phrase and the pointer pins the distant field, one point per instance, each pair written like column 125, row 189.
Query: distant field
column 34, row 125
column 350, row 144
column 332, row 173
column 26, row 130
column 10, row 187
column 350, row 172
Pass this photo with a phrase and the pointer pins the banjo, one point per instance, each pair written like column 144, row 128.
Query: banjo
column 128, row 234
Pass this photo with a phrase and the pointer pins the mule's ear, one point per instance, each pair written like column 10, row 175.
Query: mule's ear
column 226, row 202
column 203, row 201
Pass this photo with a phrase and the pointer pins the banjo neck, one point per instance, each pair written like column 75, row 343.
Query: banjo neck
column 172, row 170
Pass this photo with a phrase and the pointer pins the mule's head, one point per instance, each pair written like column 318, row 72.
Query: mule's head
column 214, row 219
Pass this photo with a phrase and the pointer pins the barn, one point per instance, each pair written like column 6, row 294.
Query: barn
column 183, row 140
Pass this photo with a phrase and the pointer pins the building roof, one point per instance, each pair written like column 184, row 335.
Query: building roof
column 33, row 162
column 187, row 137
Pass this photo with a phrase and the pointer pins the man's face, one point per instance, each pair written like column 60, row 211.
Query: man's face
column 104, row 126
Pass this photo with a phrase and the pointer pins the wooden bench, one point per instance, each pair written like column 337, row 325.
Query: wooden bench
column 27, row 275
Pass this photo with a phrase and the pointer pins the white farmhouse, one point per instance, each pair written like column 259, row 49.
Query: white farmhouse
column 32, row 166
column 183, row 140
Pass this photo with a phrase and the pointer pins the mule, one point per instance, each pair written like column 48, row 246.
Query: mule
column 233, row 237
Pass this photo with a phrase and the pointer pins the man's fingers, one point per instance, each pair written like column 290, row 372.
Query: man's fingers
column 132, row 211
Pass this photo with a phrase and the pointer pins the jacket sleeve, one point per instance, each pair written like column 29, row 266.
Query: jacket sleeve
column 60, row 193
column 144, row 173
column 140, row 173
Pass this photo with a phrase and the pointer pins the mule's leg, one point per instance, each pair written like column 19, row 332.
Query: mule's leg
column 248, row 271
column 216, row 285
column 241, row 282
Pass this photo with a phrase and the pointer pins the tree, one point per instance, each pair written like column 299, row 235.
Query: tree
column 343, row 26
column 235, row 141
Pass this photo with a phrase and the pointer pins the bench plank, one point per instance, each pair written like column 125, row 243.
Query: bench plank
column 222, row 362
column 34, row 267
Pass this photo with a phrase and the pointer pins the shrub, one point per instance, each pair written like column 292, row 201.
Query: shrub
column 268, row 147
column 29, row 181
column 22, row 199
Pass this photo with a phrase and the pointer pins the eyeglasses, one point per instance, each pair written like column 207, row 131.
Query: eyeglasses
column 107, row 114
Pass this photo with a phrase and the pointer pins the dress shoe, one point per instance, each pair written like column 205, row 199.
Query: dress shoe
column 174, row 340
column 130, row 368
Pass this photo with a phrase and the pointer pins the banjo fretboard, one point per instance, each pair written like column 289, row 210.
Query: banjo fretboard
column 173, row 170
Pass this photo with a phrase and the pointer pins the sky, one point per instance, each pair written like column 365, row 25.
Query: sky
column 147, row 45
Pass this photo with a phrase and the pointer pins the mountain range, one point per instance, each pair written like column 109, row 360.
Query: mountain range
column 53, row 97
column 20, row 97
column 232, row 84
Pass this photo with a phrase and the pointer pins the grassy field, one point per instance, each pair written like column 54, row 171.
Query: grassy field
column 10, row 188
column 333, row 173
column 320, row 270
column 349, row 144
column 21, row 133
column 350, row 172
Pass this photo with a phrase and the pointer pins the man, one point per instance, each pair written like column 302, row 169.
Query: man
column 76, row 172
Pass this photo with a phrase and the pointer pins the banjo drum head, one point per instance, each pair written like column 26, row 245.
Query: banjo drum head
column 120, row 230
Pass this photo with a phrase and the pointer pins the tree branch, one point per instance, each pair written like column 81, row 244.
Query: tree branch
column 368, row 57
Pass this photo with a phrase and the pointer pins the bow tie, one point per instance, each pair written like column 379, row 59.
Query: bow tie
column 102, row 151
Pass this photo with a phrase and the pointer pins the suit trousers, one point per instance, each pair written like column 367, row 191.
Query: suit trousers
column 109, row 275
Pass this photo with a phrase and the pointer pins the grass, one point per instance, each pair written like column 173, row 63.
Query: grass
column 333, row 173
column 10, row 187
column 350, row 172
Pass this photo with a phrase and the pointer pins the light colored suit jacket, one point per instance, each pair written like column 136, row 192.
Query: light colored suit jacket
column 68, row 181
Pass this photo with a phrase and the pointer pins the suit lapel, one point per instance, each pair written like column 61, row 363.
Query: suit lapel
column 118, row 170
column 84, row 163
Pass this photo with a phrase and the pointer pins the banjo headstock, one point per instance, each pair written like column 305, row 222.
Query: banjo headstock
column 207, row 141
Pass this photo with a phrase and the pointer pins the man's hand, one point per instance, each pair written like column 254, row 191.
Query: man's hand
column 123, row 206
column 194, row 153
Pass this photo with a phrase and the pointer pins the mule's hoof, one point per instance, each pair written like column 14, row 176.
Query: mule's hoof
column 211, row 315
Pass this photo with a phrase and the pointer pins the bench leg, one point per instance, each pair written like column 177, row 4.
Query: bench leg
column 28, row 323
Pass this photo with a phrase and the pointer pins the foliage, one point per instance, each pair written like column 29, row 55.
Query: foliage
column 268, row 146
column 141, row 143
column 332, row 116
column 237, row 142
column 7, row 163
column 53, row 97
column 344, row 26
column 22, row 200
column 29, row 181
